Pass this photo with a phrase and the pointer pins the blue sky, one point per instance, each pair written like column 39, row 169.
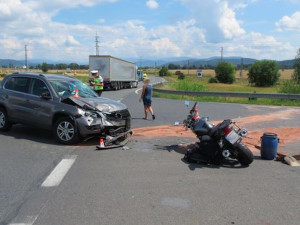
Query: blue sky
column 149, row 29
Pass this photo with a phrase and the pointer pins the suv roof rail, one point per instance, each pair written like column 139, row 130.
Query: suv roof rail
column 42, row 75
column 15, row 72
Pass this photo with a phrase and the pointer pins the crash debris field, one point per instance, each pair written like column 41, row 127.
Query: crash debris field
column 277, row 122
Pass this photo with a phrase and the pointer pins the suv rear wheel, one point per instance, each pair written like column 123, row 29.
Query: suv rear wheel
column 65, row 132
column 5, row 125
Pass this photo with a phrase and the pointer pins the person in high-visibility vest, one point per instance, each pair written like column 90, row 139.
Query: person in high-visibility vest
column 98, row 84
column 144, row 76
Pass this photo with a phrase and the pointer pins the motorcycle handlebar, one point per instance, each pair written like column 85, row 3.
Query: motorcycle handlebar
column 194, row 107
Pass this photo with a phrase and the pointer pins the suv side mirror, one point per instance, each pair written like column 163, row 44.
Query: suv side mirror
column 46, row 95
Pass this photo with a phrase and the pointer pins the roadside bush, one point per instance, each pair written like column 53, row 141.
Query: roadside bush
column 296, row 75
column 225, row 72
column 45, row 67
column 181, row 76
column 212, row 80
column 184, row 85
column 289, row 87
column 264, row 73
column 163, row 71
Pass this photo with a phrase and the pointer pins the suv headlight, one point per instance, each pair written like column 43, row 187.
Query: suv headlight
column 87, row 113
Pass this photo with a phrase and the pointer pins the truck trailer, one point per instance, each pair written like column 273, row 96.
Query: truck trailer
column 116, row 73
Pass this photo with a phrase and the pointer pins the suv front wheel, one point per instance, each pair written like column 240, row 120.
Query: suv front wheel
column 5, row 125
column 65, row 131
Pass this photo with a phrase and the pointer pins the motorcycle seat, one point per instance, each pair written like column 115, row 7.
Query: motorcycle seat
column 202, row 131
column 205, row 138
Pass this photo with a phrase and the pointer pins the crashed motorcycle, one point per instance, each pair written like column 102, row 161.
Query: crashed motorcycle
column 216, row 142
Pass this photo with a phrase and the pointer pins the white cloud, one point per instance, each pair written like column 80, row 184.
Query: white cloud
column 290, row 23
column 213, row 24
column 55, row 6
column 217, row 17
column 152, row 4
column 70, row 41
column 102, row 20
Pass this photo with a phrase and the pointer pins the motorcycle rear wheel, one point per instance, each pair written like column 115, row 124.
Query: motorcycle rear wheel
column 245, row 156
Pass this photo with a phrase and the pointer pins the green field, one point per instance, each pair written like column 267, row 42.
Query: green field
column 194, row 83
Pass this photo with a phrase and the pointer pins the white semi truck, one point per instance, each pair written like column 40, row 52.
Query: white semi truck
column 116, row 73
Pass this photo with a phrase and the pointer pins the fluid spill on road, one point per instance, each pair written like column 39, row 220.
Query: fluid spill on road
column 253, row 140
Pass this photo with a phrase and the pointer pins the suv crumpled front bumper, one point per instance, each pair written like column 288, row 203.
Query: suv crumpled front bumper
column 113, row 124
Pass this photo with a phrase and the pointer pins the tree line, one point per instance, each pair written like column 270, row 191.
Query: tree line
column 61, row 66
column 261, row 74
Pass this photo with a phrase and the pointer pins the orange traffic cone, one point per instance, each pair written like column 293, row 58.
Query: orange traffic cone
column 76, row 95
column 101, row 144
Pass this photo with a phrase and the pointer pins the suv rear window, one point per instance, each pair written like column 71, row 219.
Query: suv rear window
column 20, row 84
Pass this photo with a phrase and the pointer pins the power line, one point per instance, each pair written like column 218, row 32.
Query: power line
column 26, row 61
column 222, row 53
column 97, row 44
column 242, row 67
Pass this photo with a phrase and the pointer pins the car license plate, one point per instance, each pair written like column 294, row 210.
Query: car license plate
column 232, row 137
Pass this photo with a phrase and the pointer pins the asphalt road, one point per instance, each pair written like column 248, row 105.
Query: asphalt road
column 147, row 184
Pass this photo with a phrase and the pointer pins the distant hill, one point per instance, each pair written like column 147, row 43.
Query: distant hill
column 234, row 60
column 11, row 62
column 182, row 61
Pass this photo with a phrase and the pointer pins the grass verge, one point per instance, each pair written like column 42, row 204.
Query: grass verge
column 259, row 101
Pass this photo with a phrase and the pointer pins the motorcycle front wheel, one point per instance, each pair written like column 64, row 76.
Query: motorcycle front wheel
column 244, row 156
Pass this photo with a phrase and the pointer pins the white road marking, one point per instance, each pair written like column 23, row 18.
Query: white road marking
column 29, row 220
column 59, row 172
column 136, row 91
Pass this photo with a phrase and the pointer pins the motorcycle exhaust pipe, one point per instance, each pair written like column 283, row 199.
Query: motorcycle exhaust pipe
column 226, row 153
column 244, row 132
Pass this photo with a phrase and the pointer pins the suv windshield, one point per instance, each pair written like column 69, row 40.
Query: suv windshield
column 67, row 88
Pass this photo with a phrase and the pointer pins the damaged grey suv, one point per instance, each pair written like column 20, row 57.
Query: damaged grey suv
column 62, row 104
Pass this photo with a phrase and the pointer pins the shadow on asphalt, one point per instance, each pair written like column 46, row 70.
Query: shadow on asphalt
column 22, row 132
column 140, row 118
column 232, row 164
column 229, row 163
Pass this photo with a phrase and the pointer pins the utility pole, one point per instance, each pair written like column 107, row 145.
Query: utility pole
column 222, row 53
column 242, row 67
column 141, row 59
column 26, row 62
column 97, row 44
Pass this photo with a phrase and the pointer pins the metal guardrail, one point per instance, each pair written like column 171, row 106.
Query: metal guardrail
column 231, row 94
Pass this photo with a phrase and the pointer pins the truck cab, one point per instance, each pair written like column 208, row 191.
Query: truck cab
column 140, row 75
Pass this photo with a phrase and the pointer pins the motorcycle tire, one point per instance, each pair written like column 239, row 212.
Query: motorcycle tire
column 245, row 156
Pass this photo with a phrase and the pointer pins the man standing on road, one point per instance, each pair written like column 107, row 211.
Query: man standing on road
column 146, row 96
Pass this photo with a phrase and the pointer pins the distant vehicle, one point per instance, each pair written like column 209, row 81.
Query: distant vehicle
column 199, row 73
column 140, row 75
column 68, row 70
column 62, row 104
column 116, row 73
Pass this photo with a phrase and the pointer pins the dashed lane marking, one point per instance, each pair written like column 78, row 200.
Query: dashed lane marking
column 29, row 220
column 59, row 172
